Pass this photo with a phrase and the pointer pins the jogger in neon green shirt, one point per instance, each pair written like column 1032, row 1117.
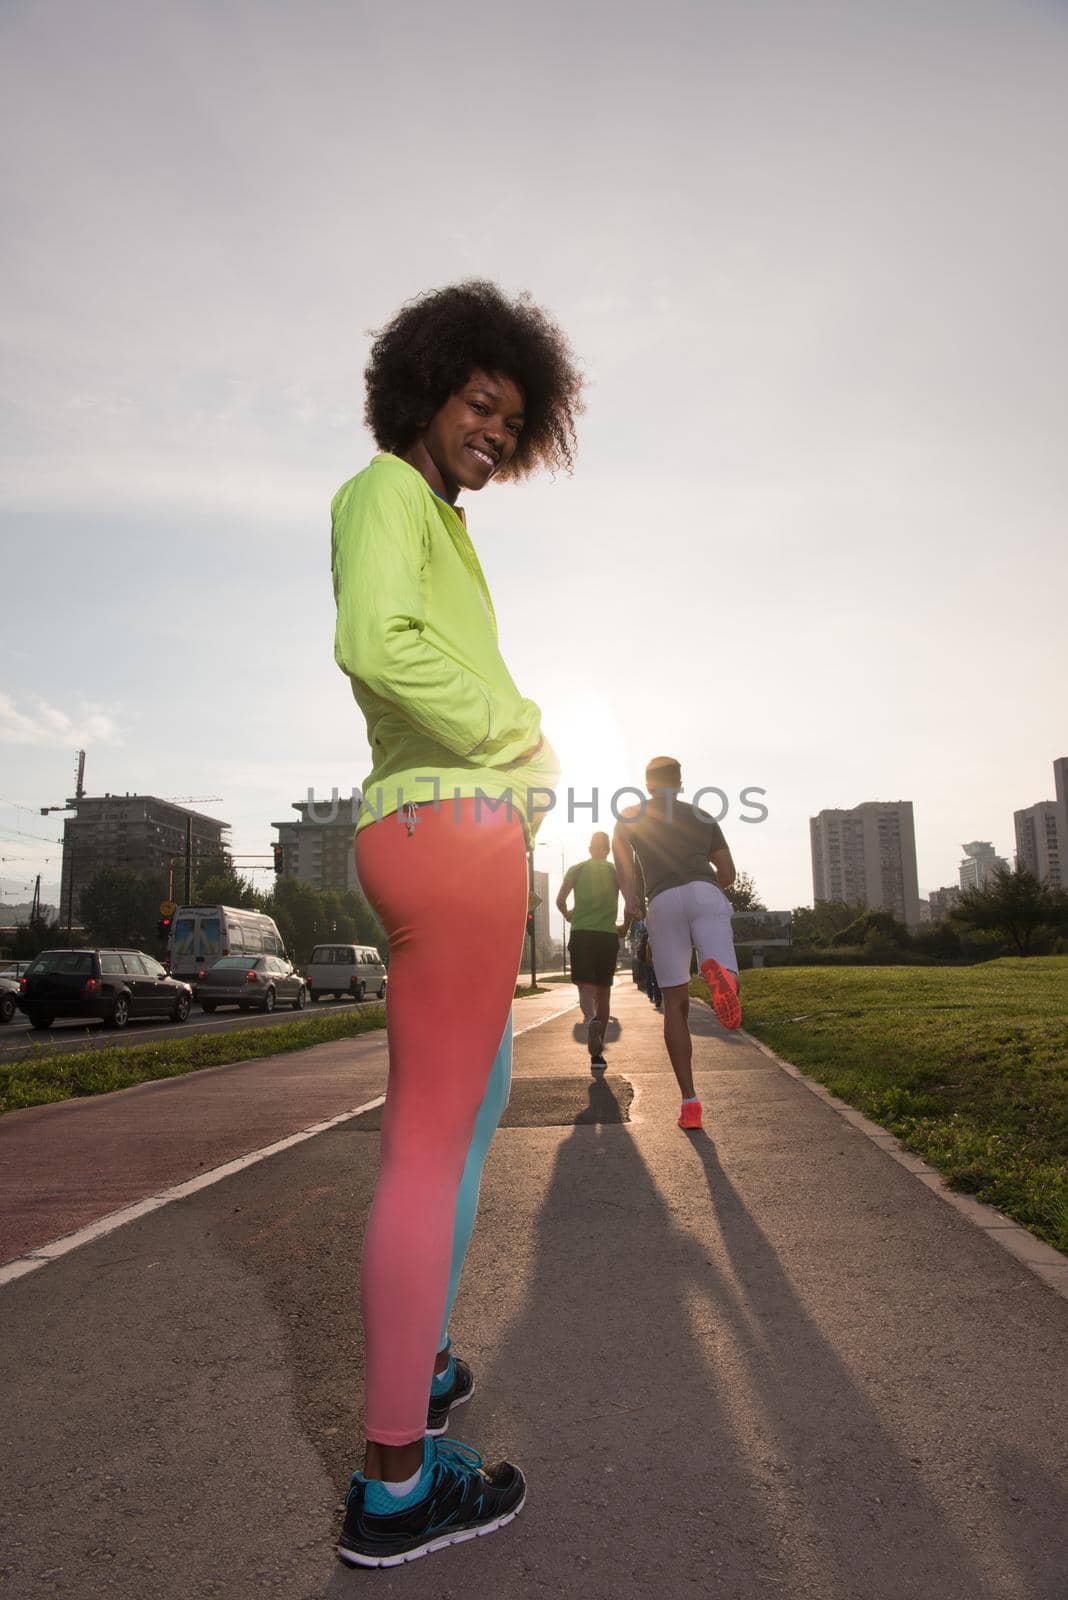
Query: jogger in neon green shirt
column 594, row 941
column 463, row 385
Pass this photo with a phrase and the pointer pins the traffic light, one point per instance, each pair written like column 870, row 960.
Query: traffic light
column 278, row 858
column 530, row 924
column 164, row 928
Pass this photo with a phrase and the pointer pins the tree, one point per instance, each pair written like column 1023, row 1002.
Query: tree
column 121, row 907
column 217, row 884
column 818, row 924
column 307, row 917
column 30, row 938
column 742, row 894
column 1013, row 905
column 878, row 929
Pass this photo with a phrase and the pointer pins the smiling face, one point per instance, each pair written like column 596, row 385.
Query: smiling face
column 473, row 436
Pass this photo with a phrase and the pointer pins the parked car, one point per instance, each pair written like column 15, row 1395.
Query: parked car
column 251, row 982
column 355, row 970
column 9, row 998
column 113, row 985
column 14, row 970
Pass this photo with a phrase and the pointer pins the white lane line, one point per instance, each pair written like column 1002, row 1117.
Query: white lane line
column 118, row 1219
column 543, row 1020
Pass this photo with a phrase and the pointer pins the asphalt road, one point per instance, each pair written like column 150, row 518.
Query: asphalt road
column 18, row 1041
column 759, row 1361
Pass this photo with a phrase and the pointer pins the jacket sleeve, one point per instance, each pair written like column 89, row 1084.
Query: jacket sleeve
column 379, row 555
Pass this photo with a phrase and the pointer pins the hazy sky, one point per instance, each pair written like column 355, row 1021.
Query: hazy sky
column 813, row 257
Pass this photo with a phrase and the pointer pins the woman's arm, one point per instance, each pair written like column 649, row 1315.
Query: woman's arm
column 378, row 559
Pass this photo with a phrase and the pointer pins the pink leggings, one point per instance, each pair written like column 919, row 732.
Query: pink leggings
column 450, row 890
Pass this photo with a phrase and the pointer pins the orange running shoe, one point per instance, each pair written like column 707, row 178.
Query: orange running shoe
column 690, row 1115
column 724, row 990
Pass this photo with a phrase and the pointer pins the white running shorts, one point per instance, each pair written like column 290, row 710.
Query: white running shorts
column 696, row 916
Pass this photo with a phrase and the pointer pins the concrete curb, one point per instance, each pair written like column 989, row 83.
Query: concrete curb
column 1040, row 1258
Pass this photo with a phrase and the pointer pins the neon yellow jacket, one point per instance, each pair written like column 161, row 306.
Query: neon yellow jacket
column 417, row 636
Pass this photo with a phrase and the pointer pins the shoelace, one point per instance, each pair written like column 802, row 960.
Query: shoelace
column 461, row 1457
column 447, row 1453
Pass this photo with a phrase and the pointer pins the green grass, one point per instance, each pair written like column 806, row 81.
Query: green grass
column 46, row 1078
column 967, row 1065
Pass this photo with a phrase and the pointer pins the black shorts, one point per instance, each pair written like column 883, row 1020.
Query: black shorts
column 593, row 956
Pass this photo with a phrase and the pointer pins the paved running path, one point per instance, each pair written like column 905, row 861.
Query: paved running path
column 65, row 1165
column 759, row 1361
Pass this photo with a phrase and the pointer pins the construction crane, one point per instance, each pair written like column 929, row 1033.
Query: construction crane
column 79, row 785
column 191, row 799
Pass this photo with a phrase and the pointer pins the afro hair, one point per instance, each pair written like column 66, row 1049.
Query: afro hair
column 436, row 341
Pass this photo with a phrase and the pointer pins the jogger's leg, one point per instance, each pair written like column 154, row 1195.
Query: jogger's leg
column 710, row 930
column 490, row 1112
column 677, row 1035
column 442, row 1044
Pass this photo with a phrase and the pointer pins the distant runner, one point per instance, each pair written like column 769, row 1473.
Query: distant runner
column 686, row 866
column 594, row 941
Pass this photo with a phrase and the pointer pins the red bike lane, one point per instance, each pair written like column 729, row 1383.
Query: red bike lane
column 65, row 1166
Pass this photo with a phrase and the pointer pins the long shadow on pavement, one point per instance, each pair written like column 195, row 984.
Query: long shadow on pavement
column 685, row 1427
column 826, row 1434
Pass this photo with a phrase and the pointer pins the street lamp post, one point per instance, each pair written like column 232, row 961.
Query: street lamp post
column 70, row 895
column 544, row 844
column 531, row 920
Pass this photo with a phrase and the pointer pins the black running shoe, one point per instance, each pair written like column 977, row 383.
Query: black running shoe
column 461, row 1390
column 595, row 1037
column 598, row 1063
column 464, row 1501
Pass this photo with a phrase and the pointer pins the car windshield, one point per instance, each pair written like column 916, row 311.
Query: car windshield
column 63, row 961
column 234, row 963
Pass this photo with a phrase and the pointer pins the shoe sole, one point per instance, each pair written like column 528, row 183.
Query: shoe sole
column 461, row 1400
column 353, row 1558
column 725, row 1001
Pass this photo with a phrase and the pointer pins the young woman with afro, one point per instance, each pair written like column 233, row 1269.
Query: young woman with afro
column 463, row 386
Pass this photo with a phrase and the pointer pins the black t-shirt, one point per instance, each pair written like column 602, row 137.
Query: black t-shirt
column 672, row 843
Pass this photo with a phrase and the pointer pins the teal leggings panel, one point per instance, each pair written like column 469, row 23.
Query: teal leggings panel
column 490, row 1113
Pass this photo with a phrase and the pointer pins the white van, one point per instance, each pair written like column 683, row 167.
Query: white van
column 346, row 969
column 201, row 934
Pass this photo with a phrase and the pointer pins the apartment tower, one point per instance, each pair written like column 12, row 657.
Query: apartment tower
column 867, row 857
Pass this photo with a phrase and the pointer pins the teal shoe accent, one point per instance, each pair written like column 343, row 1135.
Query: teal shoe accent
column 443, row 1381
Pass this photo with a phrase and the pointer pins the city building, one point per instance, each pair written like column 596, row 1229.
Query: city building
column 940, row 902
column 317, row 848
column 138, row 832
column 1042, row 833
column 1039, row 843
column 981, row 862
column 866, row 856
column 1060, row 783
column 544, row 944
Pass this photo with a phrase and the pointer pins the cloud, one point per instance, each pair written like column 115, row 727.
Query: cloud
column 48, row 725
